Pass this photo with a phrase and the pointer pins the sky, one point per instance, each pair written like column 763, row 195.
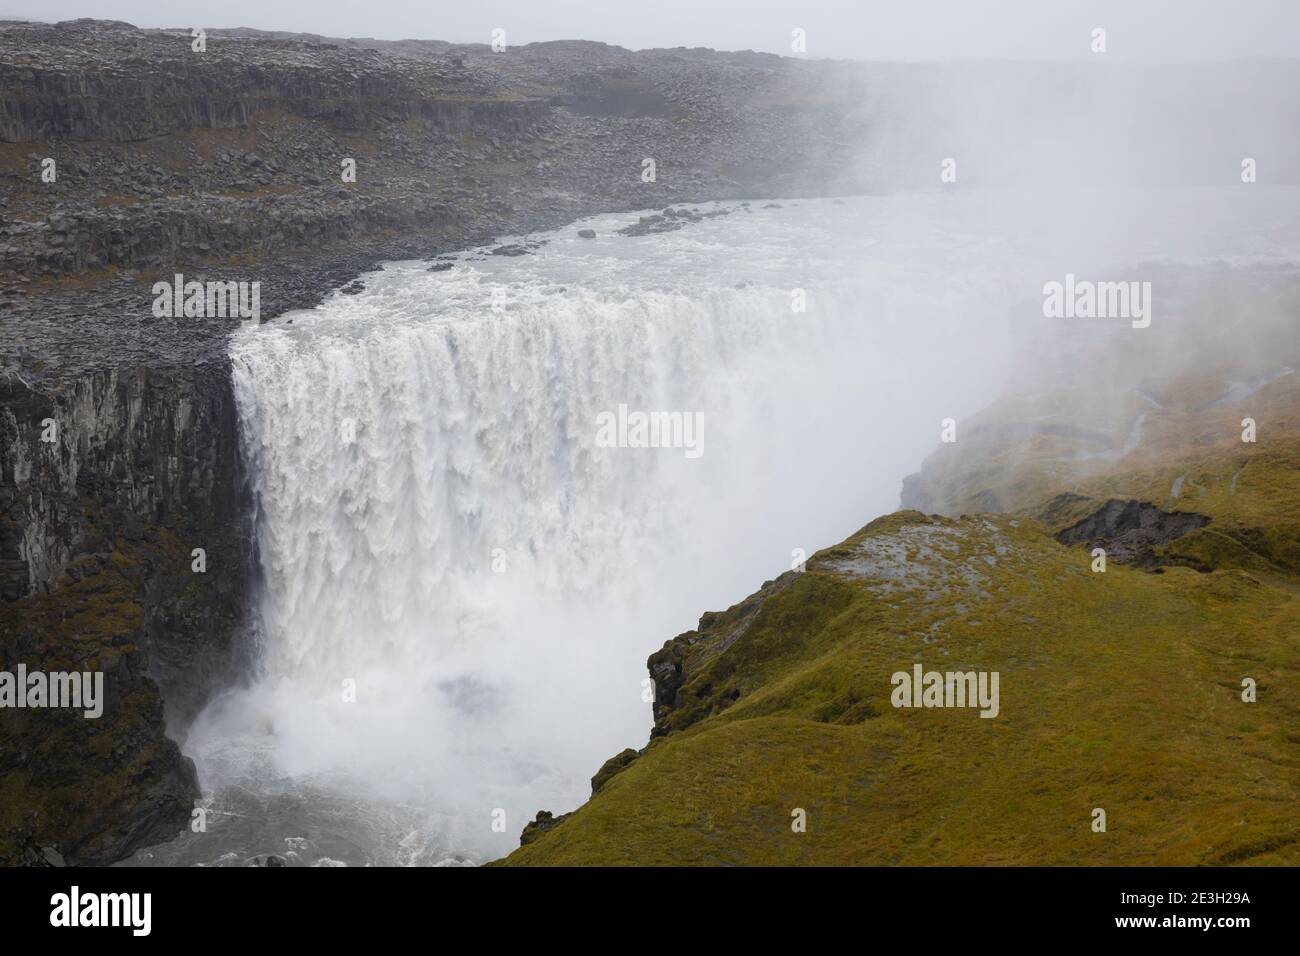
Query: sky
column 850, row 29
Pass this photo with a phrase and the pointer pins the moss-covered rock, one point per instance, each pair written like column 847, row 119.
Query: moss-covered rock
column 612, row 766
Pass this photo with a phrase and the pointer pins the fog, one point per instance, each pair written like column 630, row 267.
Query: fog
column 1159, row 160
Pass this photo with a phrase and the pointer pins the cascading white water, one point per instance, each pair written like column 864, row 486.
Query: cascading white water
column 439, row 529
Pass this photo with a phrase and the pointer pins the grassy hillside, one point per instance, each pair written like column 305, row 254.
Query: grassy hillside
column 1119, row 690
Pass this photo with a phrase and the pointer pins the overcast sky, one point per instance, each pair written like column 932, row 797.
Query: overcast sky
column 858, row 29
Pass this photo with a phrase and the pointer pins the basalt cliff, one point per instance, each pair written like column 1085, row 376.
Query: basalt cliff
column 128, row 156
column 299, row 162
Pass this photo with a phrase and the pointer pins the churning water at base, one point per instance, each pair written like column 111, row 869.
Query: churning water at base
column 461, row 586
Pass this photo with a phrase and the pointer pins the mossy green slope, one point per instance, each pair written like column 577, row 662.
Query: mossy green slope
column 1119, row 690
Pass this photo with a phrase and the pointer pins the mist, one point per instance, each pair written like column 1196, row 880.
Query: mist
column 469, row 549
column 1000, row 216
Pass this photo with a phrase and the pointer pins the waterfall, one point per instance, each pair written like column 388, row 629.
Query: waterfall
column 460, row 584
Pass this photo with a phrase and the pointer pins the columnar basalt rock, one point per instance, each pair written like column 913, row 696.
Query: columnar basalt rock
column 108, row 483
column 164, row 154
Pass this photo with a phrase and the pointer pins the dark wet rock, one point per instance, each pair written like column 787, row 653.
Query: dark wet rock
column 667, row 672
column 674, row 665
column 669, row 221
column 649, row 225
column 1130, row 530
column 97, row 531
column 440, row 267
column 511, row 250
column 535, row 828
column 586, row 233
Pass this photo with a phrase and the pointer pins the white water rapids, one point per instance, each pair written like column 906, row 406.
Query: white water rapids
column 439, row 529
